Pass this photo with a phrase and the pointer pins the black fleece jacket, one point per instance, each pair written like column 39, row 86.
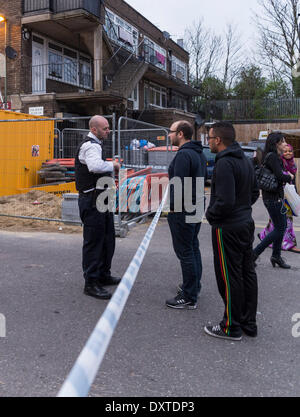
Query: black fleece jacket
column 189, row 162
column 233, row 189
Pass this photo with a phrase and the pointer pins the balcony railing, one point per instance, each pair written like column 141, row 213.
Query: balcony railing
column 57, row 6
column 56, row 77
column 30, row 6
column 152, row 56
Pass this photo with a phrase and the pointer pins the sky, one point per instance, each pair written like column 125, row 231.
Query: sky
column 175, row 16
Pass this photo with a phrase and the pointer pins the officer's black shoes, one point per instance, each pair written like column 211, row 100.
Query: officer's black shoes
column 94, row 290
column 109, row 281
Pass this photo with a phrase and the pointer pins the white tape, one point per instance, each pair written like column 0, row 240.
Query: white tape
column 88, row 362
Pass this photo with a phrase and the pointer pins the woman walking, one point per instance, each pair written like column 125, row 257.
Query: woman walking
column 289, row 242
column 274, row 201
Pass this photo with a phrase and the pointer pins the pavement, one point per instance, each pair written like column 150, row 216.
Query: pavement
column 155, row 351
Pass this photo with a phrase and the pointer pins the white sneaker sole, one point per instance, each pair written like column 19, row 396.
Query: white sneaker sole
column 235, row 339
column 182, row 307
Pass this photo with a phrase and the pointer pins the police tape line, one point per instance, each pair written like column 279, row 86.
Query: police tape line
column 85, row 369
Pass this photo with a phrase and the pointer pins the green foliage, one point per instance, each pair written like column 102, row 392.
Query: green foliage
column 296, row 86
column 277, row 89
column 213, row 89
column 250, row 84
column 253, row 97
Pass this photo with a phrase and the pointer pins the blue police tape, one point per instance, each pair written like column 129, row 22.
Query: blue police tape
column 85, row 369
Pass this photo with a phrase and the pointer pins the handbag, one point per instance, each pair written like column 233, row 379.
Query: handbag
column 293, row 198
column 266, row 180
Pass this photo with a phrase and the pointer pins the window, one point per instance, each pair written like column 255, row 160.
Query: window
column 155, row 54
column 55, row 58
column 121, row 32
column 38, row 40
column 179, row 102
column 179, row 69
column 134, row 97
column 70, row 71
column 155, row 96
column 85, row 72
column 69, row 66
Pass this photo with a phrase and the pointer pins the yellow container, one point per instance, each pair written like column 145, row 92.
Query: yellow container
column 58, row 189
column 24, row 146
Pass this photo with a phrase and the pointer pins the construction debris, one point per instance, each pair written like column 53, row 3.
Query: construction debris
column 57, row 171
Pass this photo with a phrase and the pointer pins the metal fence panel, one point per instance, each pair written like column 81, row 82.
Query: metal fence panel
column 254, row 109
column 27, row 181
column 142, row 144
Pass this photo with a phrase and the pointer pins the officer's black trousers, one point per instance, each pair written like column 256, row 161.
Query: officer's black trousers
column 98, row 239
column 236, row 276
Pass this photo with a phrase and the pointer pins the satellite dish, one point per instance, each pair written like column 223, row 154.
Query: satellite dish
column 10, row 52
column 166, row 35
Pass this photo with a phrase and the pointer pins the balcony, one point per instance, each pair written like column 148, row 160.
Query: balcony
column 76, row 14
column 58, row 6
column 56, row 77
column 70, row 81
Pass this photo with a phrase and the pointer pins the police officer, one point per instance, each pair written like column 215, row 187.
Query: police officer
column 98, row 228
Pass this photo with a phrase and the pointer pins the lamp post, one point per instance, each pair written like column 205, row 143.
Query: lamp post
column 3, row 19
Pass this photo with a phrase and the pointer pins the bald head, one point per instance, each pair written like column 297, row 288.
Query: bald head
column 99, row 126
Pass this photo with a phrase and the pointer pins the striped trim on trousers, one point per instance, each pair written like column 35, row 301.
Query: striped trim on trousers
column 225, row 276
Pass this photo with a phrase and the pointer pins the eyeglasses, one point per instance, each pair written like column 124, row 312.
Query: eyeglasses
column 172, row 131
column 211, row 137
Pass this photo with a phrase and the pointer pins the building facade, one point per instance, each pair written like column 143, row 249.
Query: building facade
column 82, row 57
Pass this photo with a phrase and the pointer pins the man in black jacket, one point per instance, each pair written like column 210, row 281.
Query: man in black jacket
column 233, row 191
column 187, row 172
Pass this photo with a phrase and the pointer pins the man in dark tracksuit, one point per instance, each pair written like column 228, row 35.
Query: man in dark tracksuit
column 98, row 227
column 233, row 191
column 188, row 164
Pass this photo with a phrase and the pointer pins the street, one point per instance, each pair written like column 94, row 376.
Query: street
column 155, row 351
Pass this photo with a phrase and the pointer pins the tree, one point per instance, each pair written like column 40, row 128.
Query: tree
column 278, row 36
column 205, row 49
column 277, row 89
column 232, row 58
column 213, row 89
column 250, row 84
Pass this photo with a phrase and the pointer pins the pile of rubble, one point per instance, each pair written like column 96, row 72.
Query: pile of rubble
column 57, row 171
column 34, row 204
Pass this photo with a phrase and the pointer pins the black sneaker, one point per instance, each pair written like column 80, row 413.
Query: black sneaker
column 180, row 302
column 179, row 290
column 217, row 331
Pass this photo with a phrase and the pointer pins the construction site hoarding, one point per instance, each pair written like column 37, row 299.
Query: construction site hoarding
column 26, row 142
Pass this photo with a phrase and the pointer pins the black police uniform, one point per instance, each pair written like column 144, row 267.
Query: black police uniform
column 98, row 231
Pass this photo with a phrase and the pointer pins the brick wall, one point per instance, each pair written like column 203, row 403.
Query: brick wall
column 12, row 11
column 50, row 106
